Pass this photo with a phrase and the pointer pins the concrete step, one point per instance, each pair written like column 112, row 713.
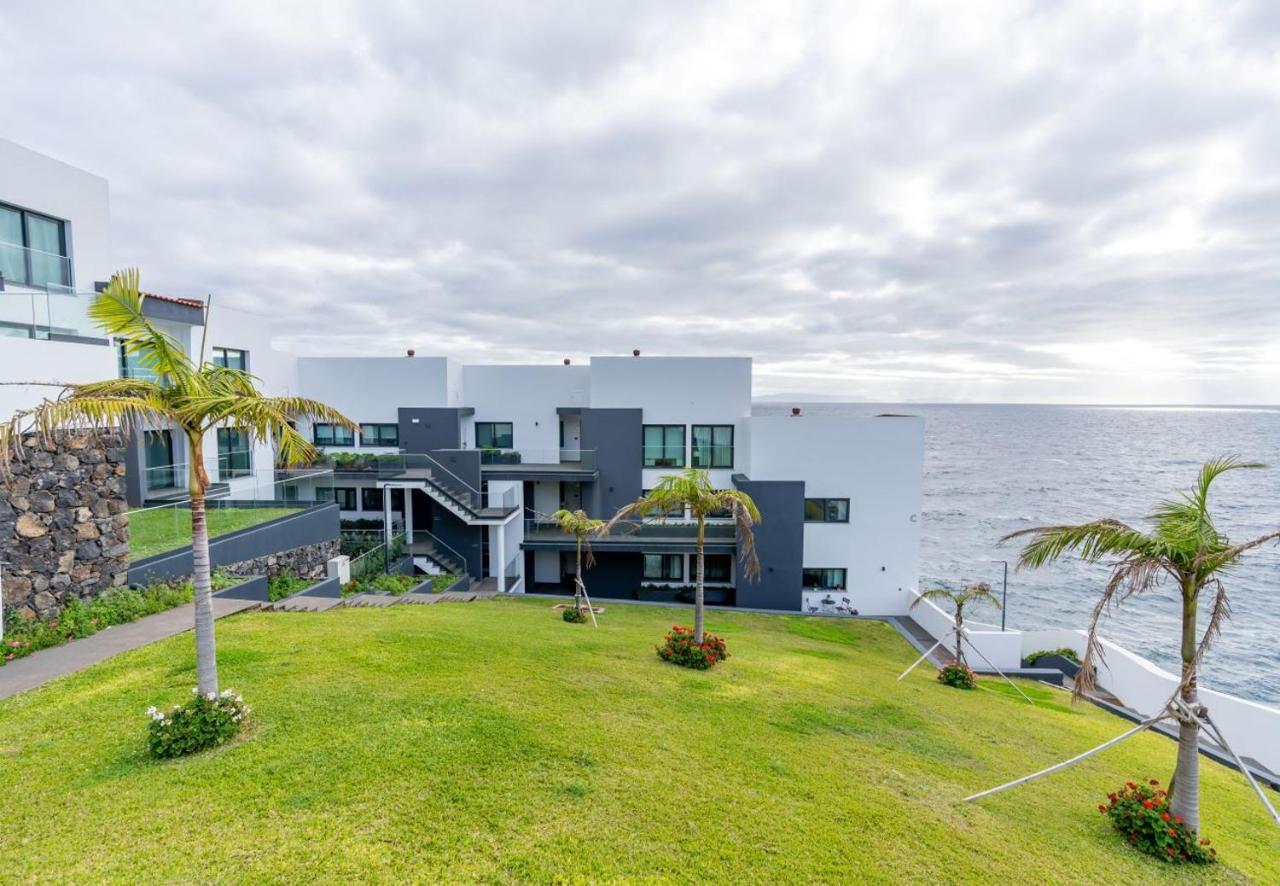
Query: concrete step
column 456, row 596
column 306, row 603
column 420, row 599
column 373, row 600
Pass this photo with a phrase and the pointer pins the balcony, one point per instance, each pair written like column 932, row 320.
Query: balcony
column 538, row 464
column 47, row 315
column 31, row 267
column 651, row 536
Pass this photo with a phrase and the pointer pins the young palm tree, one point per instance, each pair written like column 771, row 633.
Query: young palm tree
column 582, row 527
column 191, row 396
column 692, row 489
column 1184, row 547
column 974, row 593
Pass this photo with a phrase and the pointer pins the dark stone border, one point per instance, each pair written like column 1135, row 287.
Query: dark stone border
column 252, row 588
column 306, row 527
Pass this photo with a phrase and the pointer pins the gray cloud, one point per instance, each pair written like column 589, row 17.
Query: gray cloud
column 1032, row 201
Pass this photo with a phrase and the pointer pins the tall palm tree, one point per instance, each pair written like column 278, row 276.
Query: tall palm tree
column 1183, row 547
column 189, row 395
column 692, row 489
column 974, row 593
column 582, row 528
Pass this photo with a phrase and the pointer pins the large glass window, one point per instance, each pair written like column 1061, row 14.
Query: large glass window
column 345, row 496
column 826, row 510
column 716, row 567
column 160, row 470
column 373, row 434
column 494, row 435
column 230, row 358
column 234, row 453
column 713, row 446
column 676, row 513
column 371, row 499
column 664, row 567
column 824, row 579
column 33, row 249
column 664, row 446
column 332, row 435
column 131, row 366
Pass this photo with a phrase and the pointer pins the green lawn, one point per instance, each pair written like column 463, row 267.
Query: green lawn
column 492, row 741
column 157, row 530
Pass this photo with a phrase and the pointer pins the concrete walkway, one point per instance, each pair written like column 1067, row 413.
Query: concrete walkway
column 48, row 664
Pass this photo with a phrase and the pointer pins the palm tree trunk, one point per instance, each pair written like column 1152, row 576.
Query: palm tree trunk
column 1185, row 785
column 960, row 659
column 697, row 591
column 577, row 578
column 201, row 580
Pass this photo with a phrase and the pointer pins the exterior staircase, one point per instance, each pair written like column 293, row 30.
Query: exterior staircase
column 458, row 497
column 435, row 555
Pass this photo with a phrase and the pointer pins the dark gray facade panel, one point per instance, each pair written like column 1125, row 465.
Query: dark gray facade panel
column 252, row 588
column 136, row 470
column 617, row 437
column 614, row 576
column 167, row 310
column 462, row 463
column 435, row 428
column 307, row 527
column 458, row 535
column 779, row 544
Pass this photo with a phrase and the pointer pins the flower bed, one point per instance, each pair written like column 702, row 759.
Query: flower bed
column 113, row 607
column 201, row 723
column 381, row 583
column 1140, row 812
column 678, row 648
column 957, row 675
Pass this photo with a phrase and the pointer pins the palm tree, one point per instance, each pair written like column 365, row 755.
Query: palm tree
column 581, row 527
column 192, row 396
column 974, row 593
column 692, row 489
column 1184, row 547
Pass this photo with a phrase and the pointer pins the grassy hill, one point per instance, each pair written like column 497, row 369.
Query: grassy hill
column 492, row 741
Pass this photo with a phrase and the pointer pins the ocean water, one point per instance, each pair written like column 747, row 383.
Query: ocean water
column 992, row 470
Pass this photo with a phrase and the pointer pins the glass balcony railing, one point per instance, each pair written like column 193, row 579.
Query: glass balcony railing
column 31, row 267
column 47, row 314
column 576, row 459
column 234, row 463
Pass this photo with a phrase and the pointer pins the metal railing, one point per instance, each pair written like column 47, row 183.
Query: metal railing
column 378, row 559
column 425, row 537
column 578, row 459
column 24, row 266
column 641, row 530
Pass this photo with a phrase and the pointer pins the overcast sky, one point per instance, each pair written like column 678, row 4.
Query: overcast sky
column 1046, row 202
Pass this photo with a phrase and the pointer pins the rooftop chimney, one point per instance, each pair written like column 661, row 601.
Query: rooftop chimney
column 795, row 410
column 635, row 353
column 409, row 353
column 566, row 361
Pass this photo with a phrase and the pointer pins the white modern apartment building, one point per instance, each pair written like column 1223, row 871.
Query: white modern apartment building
column 469, row 461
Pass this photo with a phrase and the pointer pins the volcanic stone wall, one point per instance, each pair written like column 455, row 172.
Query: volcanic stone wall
column 64, row 527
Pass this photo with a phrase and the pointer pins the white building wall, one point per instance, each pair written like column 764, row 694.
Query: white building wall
column 372, row 389
column 526, row 396
column 876, row 463
column 26, row 359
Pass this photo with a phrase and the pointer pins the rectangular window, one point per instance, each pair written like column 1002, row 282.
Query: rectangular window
column 664, row 446
column 716, row 567
column 332, row 435
column 826, row 510
column 824, row 579
column 676, row 513
column 664, row 567
column 371, row 499
column 345, row 496
column 230, row 358
column 713, row 446
column 234, row 454
column 33, row 249
column 372, row 434
column 131, row 366
column 494, row 435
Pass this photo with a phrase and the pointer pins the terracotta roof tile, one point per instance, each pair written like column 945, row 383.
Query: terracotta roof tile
column 189, row 302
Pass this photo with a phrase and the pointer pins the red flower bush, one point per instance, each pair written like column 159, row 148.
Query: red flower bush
column 1141, row 813
column 678, row 648
column 955, row 674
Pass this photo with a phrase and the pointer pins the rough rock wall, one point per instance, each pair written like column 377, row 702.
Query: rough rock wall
column 64, row 527
column 308, row 561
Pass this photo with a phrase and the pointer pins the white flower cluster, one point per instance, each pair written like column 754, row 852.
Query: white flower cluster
column 229, row 697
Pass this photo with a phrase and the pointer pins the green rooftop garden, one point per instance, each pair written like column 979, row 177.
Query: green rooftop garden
column 494, row 741
column 157, row 530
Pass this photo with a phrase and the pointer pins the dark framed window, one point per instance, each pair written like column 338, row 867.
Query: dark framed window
column 371, row 499
column 713, row 446
column 826, row 510
column 323, row 434
column 235, row 455
column 374, row 434
column 717, row 567
column 494, row 435
column 131, row 366
column 345, row 496
column 664, row 567
column 824, row 579
column 230, row 358
column 33, row 249
column 664, row 446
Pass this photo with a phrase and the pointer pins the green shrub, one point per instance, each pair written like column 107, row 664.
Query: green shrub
column 203, row 722
column 573, row 614
column 678, row 648
column 441, row 583
column 380, row 583
column 286, row 584
column 1068, row 654
column 957, row 675
column 1140, row 812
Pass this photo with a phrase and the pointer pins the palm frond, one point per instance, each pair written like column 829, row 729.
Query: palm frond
column 117, row 310
column 1091, row 541
column 981, row 592
column 936, row 594
column 1219, row 613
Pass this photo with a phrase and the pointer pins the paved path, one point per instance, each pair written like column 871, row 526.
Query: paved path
column 48, row 664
